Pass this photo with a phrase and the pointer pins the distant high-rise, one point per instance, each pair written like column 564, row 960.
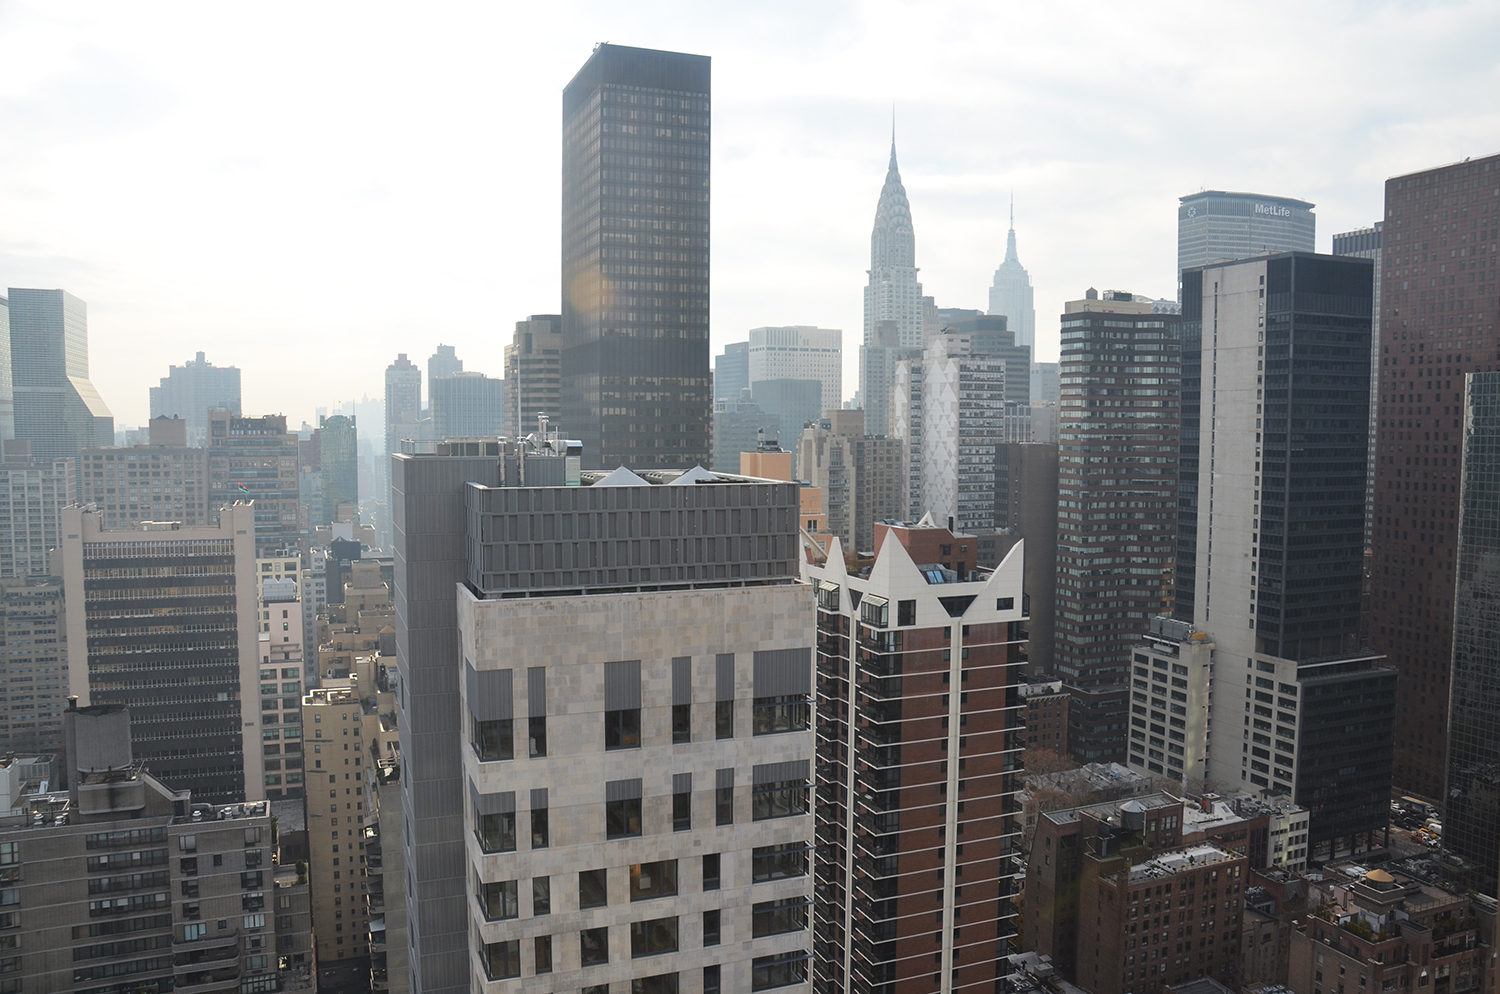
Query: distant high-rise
column 255, row 459
column 1117, row 505
column 1011, row 293
column 732, row 371
column 1440, row 224
column 1046, row 387
column 7, row 389
column 191, row 390
column 1365, row 244
column 533, row 374
column 468, row 403
column 163, row 620
column 635, row 255
column 800, row 352
column 162, row 480
column 35, row 664
column 892, row 294
column 33, row 493
column 57, row 409
column 440, row 365
column 338, row 463
column 403, row 403
column 1214, row 226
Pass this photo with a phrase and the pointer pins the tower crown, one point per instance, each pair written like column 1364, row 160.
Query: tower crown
column 893, row 243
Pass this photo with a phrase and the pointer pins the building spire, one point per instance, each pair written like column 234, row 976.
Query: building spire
column 1012, row 261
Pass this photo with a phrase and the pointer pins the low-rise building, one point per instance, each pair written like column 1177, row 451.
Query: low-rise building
column 1046, row 719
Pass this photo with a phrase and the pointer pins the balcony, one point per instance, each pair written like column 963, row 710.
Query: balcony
column 380, row 980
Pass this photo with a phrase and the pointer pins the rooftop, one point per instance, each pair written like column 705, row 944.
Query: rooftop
column 1172, row 863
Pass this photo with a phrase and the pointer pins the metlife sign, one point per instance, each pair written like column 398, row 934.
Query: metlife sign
column 1273, row 210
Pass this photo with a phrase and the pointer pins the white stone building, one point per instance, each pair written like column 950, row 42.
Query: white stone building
column 800, row 352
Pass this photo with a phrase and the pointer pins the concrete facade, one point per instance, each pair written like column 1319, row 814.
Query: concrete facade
column 800, row 352
column 33, row 494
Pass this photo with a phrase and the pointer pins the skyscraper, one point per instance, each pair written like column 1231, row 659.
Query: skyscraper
column 1011, row 294
column 468, row 403
column 338, row 461
column 1365, row 244
column 440, row 365
column 7, row 388
column 1442, row 226
column 34, row 665
column 916, row 851
column 800, row 352
column 255, row 459
column 33, row 493
column 57, row 409
column 892, row 294
column 163, row 480
column 1270, row 550
column 635, row 255
column 1471, row 803
column 1117, row 504
column 193, row 389
column 533, row 373
column 1214, row 226
column 732, row 371
column 163, row 620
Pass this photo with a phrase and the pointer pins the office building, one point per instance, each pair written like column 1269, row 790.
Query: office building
column 279, row 610
column 800, row 352
column 1440, row 224
column 892, row 295
column 164, row 479
column 188, row 675
column 1270, row 551
column 1011, row 293
column 476, row 795
column 336, row 795
column 440, row 365
column 255, row 459
column 33, row 665
column 1046, row 382
column 738, row 424
column 1027, row 507
column 338, row 467
column 1117, row 504
column 1471, row 802
column 403, row 402
column 33, row 493
column 120, row 876
column 1215, row 226
column 1365, row 244
column 468, row 403
column 732, row 371
column 193, row 389
column 635, row 252
column 991, row 336
column 862, row 476
column 533, row 373
column 787, row 405
column 57, row 408
column 916, row 854
column 7, row 387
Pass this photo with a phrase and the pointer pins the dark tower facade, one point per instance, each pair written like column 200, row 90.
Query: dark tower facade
column 1437, row 322
column 636, row 388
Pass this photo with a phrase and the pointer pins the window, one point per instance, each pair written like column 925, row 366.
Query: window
column 596, row 989
column 682, row 723
column 536, row 733
column 778, row 862
column 543, row 945
column 187, row 843
column 775, row 917
column 711, row 871
column 780, row 714
column 711, row 927
column 193, row 931
column 10, row 853
column 496, row 832
column 190, row 888
column 502, row 959
column 650, row 938
column 493, row 740
column 593, row 889
column 778, row 971
column 622, row 818
column 724, row 805
column 190, row 909
column 498, row 899
column 622, row 729
column 780, row 799
column 665, row 983
column 906, row 613
column 254, row 921
column 682, row 811
column 539, row 833
column 724, row 719
column 651, row 880
column 593, row 946
column 711, row 979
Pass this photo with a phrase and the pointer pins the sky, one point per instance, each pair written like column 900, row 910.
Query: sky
column 306, row 190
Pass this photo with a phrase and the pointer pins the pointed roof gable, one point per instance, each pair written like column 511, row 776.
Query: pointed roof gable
column 620, row 476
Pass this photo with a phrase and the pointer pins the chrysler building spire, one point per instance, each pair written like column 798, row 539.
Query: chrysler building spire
column 893, row 297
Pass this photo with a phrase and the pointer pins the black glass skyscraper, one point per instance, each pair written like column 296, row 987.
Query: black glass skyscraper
column 1471, row 807
column 635, row 194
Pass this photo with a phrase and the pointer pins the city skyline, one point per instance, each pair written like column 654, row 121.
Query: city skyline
column 795, row 179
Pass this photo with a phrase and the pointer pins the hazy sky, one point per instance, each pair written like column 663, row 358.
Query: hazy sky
column 304, row 190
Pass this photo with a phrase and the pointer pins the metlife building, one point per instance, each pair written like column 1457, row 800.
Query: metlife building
column 1214, row 226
